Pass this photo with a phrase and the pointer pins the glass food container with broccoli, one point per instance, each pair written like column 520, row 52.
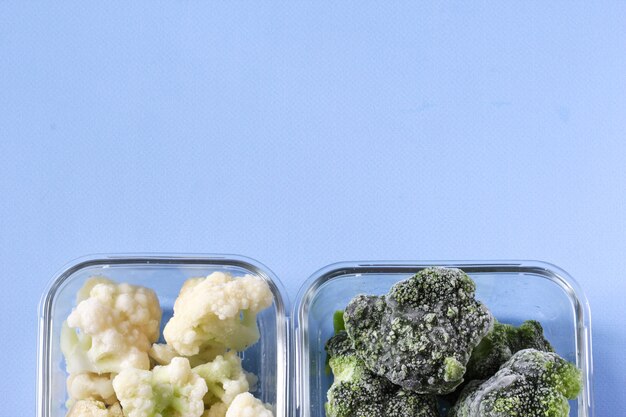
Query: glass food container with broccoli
column 453, row 339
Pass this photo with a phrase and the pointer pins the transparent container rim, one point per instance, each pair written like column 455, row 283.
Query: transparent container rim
column 281, row 300
column 166, row 257
column 547, row 269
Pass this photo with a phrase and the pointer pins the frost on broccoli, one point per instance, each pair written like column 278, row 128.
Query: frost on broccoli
column 225, row 379
column 421, row 334
column 167, row 391
column 530, row 384
column 217, row 313
column 111, row 328
column 501, row 343
column 357, row 392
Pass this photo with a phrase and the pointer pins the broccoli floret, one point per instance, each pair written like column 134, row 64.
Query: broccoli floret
column 338, row 326
column 339, row 345
column 421, row 334
column 357, row 392
column 406, row 403
column 530, row 384
column 500, row 344
column 338, row 323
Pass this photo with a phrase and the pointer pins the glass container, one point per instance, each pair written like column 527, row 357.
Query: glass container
column 514, row 291
column 165, row 274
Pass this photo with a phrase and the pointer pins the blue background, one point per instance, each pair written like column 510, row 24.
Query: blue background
column 302, row 134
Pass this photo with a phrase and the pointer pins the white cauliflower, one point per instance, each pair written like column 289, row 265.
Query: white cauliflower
column 163, row 354
column 90, row 386
column 91, row 408
column 217, row 410
column 225, row 379
column 111, row 328
column 166, row 391
column 246, row 405
column 217, row 312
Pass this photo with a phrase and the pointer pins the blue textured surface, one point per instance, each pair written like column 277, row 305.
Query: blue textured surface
column 303, row 134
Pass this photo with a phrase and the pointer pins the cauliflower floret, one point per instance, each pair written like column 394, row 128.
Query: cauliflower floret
column 90, row 386
column 168, row 391
column 111, row 328
column 217, row 312
column 163, row 354
column 217, row 410
column 225, row 379
column 246, row 405
column 91, row 408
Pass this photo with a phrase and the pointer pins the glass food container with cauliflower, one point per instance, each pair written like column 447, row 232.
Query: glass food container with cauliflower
column 165, row 338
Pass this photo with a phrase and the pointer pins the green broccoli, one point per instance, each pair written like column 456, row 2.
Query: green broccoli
column 530, row 384
column 421, row 334
column 338, row 323
column 357, row 392
column 500, row 344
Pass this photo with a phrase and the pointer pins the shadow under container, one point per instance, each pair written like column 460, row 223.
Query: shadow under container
column 268, row 358
column 514, row 291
